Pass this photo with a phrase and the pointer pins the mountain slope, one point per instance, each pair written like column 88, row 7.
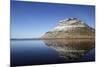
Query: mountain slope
column 70, row 28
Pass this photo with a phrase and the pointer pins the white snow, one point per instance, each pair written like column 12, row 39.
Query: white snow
column 58, row 28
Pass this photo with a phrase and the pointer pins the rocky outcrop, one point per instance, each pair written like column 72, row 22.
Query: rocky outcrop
column 70, row 28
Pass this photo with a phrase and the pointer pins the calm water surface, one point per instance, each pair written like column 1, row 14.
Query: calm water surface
column 36, row 52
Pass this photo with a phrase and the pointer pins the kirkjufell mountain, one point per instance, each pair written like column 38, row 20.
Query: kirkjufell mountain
column 71, row 28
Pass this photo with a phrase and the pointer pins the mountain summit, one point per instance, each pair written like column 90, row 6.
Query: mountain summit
column 70, row 28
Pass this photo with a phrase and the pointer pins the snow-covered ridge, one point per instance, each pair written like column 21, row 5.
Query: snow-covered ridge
column 58, row 28
column 69, row 23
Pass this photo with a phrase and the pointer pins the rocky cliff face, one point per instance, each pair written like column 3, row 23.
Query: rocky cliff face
column 71, row 28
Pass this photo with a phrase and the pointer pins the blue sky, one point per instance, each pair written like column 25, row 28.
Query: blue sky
column 33, row 19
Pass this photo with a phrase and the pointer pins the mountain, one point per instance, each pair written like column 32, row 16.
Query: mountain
column 70, row 28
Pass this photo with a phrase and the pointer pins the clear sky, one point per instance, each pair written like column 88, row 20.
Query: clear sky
column 33, row 19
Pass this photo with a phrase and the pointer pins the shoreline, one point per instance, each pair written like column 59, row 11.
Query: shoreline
column 47, row 38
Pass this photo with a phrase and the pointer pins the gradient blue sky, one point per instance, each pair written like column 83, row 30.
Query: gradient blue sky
column 33, row 19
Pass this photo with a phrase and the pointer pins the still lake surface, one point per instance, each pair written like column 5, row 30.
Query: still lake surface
column 53, row 51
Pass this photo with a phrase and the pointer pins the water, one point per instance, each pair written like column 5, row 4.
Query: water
column 36, row 52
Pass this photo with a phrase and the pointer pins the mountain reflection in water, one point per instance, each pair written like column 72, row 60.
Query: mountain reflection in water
column 51, row 51
column 71, row 49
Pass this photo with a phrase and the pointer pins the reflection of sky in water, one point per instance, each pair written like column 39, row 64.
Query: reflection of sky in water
column 32, row 52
